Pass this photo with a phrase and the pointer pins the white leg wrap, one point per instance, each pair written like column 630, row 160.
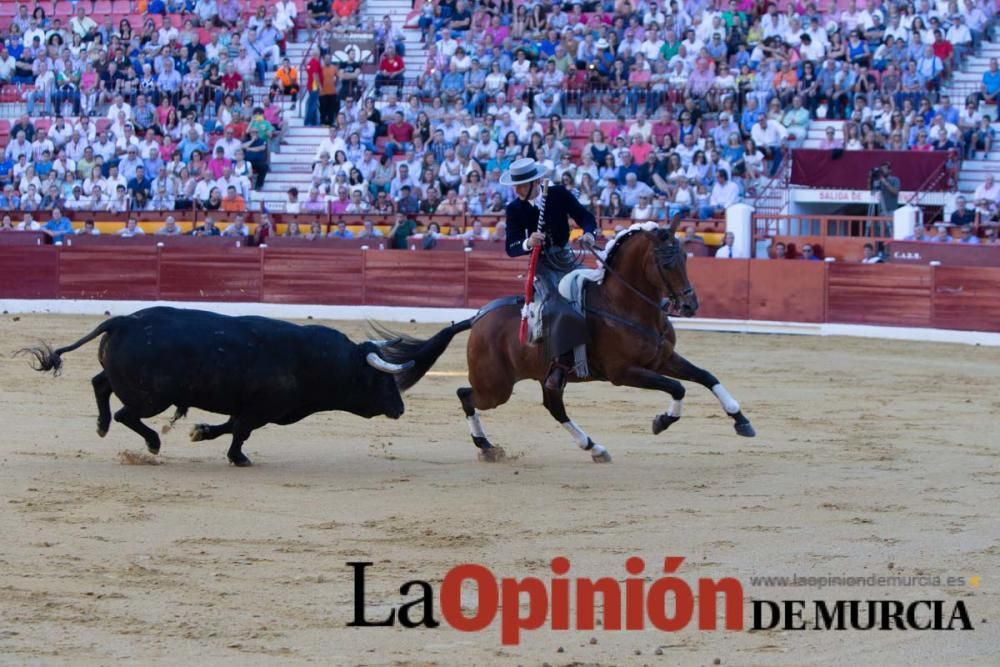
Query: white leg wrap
column 475, row 427
column 729, row 403
column 675, row 408
column 578, row 435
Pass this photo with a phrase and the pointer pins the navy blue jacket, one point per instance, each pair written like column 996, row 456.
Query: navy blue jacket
column 560, row 205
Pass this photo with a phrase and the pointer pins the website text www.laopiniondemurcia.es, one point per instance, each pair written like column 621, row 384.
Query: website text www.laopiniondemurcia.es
column 667, row 603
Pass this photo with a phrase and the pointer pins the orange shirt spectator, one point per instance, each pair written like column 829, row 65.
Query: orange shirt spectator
column 288, row 77
column 233, row 202
column 328, row 84
column 786, row 80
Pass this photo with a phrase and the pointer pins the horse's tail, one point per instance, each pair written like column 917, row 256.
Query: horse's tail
column 401, row 348
column 46, row 359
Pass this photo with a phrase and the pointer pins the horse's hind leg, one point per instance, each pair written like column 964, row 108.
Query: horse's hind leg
column 487, row 450
column 682, row 369
column 553, row 401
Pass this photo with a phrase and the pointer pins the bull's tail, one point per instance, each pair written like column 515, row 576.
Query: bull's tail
column 46, row 359
column 423, row 353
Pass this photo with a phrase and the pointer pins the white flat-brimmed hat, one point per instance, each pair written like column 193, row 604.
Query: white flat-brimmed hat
column 602, row 43
column 524, row 170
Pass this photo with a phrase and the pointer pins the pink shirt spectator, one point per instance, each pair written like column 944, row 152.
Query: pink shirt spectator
column 88, row 80
column 339, row 206
column 640, row 151
column 273, row 114
column 217, row 165
column 497, row 34
column 700, row 80
column 639, row 78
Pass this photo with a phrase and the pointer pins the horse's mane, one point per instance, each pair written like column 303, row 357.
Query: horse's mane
column 619, row 239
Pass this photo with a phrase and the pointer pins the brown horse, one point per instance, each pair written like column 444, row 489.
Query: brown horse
column 631, row 340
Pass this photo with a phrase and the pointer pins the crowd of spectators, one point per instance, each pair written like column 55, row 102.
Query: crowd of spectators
column 682, row 107
column 705, row 96
column 160, row 115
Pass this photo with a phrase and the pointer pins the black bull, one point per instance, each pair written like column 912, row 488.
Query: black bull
column 255, row 370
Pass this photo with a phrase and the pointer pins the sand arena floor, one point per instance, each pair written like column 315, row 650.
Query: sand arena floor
column 871, row 457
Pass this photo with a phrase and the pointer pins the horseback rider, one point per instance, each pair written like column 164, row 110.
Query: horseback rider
column 563, row 327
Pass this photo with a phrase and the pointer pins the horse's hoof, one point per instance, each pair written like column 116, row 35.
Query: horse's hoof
column 240, row 462
column 662, row 422
column 603, row 457
column 745, row 429
column 492, row 454
column 197, row 432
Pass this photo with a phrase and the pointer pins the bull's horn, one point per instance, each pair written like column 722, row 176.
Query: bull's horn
column 381, row 364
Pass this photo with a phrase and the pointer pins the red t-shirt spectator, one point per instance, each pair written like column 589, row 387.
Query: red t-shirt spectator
column 231, row 81
column 943, row 50
column 391, row 66
column 344, row 8
column 400, row 132
column 314, row 74
column 239, row 128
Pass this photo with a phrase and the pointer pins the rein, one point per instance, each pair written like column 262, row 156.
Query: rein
column 662, row 305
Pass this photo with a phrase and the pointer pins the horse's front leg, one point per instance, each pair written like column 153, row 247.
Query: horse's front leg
column 682, row 369
column 643, row 378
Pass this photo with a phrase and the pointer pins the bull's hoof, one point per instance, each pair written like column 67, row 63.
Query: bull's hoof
column 492, row 454
column 603, row 457
column 662, row 422
column 240, row 461
column 153, row 449
column 101, row 431
column 197, row 432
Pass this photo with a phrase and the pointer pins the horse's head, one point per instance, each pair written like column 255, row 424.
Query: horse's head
column 667, row 267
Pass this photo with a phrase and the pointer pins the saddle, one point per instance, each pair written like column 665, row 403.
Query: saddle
column 573, row 284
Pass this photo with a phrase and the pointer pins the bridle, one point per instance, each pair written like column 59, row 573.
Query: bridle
column 664, row 256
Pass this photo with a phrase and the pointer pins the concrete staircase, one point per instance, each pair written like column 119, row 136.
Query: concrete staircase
column 292, row 164
column 968, row 80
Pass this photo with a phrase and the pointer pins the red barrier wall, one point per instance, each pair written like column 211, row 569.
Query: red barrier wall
column 790, row 291
column 782, row 295
column 313, row 275
column 29, row 272
column 210, row 274
column 722, row 285
column 879, row 294
column 966, row 298
column 104, row 272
